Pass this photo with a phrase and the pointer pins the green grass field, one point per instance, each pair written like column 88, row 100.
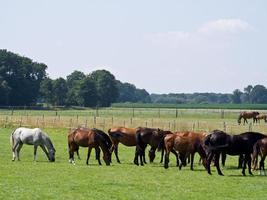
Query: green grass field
column 60, row 180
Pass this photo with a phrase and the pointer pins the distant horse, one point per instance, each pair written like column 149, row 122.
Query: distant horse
column 261, row 116
column 247, row 115
column 126, row 136
column 220, row 142
column 35, row 137
column 91, row 138
column 153, row 137
column 187, row 144
column 260, row 149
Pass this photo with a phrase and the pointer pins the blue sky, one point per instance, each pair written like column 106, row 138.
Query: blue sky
column 162, row 46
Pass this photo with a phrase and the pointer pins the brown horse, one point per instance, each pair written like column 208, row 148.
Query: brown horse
column 261, row 116
column 260, row 148
column 247, row 115
column 186, row 143
column 126, row 136
column 153, row 137
column 91, row 138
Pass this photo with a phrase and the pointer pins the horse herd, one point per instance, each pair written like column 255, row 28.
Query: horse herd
column 256, row 116
column 210, row 146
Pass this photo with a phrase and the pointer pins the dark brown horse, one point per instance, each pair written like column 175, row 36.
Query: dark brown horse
column 153, row 137
column 91, row 138
column 219, row 142
column 247, row 115
column 260, row 149
column 126, row 136
column 187, row 144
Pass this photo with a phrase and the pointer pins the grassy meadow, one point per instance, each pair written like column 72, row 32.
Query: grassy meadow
column 27, row 179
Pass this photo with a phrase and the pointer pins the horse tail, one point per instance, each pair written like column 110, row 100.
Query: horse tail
column 12, row 139
column 161, row 145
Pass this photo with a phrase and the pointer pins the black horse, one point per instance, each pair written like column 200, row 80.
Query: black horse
column 153, row 137
column 219, row 142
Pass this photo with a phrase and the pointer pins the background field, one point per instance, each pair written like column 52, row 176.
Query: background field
column 60, row 180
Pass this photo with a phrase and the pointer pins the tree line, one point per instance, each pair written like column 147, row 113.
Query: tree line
column 24, row 82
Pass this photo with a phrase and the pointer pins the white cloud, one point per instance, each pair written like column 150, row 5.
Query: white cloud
column 225, row 26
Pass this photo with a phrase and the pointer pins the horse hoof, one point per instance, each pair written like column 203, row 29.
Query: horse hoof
column 166, row 166
column 221, row 174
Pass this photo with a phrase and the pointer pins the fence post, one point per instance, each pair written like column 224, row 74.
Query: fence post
column 133, row 112
column 6, row 121
column 224, row 126
column 250, row 127
column 176, row 113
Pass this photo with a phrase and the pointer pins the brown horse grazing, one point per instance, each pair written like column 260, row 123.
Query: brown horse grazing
column 186, row 143
column 91, row 138
column 261, row 116
column 259, row 148
column 126, row 136
column 247, row 115
column 153, row 137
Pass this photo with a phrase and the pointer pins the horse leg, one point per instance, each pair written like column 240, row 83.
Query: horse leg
column 116, row 153
column 166, row 158
column 217, row 163
column 244, row 166
column 97, row 155
column 18, row 149
column 209, row 159
column 71, row 155
column 223, row 159
column 78, row 155
column 14, row 150
column 162, row 155
column 177, row 157
column 248, row 158
column 192, row 160
column 88, row 155
column 262, row 165
column 34, row 152
column 44, row 149
column 152, row 154
column 240, row 161
column 136, row 156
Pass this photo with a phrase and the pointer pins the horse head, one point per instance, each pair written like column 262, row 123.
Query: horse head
column 51, row 155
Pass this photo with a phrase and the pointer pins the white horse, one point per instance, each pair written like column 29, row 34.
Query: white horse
column 34, row 137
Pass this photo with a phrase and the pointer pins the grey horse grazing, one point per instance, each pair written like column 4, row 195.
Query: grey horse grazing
column 34, row 137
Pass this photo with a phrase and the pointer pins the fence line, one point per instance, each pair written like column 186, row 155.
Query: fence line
column 105, row 123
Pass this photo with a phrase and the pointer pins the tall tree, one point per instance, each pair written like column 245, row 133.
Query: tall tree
column 46, row 91
column 23, row 77
column 259, row 94
column 60, row 90
column 247, row 91
column 74, row 81
column 88, row 92
column 106, row 87
column 236, row 96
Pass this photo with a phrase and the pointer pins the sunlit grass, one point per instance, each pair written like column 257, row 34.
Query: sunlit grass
column 60, row 180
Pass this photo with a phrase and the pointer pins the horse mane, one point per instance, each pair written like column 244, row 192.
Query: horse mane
column 102, row 140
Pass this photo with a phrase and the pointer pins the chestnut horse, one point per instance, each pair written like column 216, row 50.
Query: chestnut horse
column 154, row 138
column 260, row 148
column 220, row 142
column 261, row 116
column 187, row 144
column 126, row 136
column 247, row 115
column 91, row 138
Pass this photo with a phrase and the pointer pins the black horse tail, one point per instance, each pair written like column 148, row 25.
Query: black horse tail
column 161, row 145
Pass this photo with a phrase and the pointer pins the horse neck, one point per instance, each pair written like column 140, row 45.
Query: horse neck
column 102, row 143
column 48, row 142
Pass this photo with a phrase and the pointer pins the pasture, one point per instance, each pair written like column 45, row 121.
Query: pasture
column 60, row 180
